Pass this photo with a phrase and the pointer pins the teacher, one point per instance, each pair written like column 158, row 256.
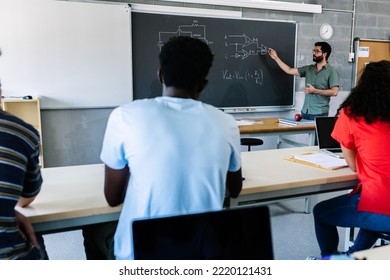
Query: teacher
column 321, row 80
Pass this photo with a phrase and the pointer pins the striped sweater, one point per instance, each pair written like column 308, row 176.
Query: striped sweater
column 20, row 176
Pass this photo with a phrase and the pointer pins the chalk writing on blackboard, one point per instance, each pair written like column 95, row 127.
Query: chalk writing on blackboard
column 242, row 46
column 255, row 75
column 242, row 75
column 194, row 30
column 238, row 46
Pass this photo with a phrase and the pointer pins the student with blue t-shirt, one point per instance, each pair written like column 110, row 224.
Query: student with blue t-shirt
column 173, row 154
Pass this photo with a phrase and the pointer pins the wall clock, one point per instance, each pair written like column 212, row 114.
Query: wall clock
column 326, row 31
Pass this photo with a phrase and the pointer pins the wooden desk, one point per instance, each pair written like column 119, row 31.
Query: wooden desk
column 268, row 176
column 70, row 197
column 271, row 126
column 73, row 196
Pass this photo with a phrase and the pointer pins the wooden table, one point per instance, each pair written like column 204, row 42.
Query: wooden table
column 70, row 197
column 269, row 176
column 73, row 196
column 271, row 126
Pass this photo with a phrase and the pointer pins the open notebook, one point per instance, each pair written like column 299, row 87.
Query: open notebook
column 326, row 143
column 320, row 160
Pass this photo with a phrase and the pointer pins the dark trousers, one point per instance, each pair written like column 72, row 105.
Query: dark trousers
column 99, row 241
column 341, row 211
column 312, row 117
column 35, row 254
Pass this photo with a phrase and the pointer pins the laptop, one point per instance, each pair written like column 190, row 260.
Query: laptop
column 326, row 143
column 242, row 233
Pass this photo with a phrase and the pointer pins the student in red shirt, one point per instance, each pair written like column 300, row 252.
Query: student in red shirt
column 363, row 130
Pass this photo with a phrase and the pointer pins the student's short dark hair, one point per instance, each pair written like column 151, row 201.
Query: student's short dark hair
column 184, row 62
column 325, row 47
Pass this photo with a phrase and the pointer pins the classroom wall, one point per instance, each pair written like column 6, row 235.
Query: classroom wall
column 74, row 136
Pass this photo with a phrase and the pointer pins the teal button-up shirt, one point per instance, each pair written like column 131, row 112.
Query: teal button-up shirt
column 327, row 78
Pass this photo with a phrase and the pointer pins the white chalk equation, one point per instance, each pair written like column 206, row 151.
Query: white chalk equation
column 237, row 47
column 255, row 75
column 194, row 30
column 242, row 47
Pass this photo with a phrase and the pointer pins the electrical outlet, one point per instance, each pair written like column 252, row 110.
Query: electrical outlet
column 351, row 57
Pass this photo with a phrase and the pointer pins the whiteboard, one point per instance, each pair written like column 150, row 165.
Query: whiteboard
column 69, row 54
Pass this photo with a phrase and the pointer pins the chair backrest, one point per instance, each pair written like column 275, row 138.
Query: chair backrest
column 241, row 233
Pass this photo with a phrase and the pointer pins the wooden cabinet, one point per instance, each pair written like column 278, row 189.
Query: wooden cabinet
column 27, row 110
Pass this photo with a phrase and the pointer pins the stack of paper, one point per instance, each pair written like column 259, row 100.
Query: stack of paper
column 319, row 160
column 247, row 122
column 294, row 122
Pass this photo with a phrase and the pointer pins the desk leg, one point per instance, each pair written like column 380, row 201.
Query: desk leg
column 311, row 138
column 307, row 205
column 349, row 237
column 278, row 141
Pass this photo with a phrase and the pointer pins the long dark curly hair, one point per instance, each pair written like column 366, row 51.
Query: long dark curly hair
column 370, row 99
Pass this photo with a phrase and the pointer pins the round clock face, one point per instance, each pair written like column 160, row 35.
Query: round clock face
column 326, row 31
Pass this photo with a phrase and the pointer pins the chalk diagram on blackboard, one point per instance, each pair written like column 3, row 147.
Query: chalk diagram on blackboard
column 242, row 46
column 194, row 30
column 238, row 47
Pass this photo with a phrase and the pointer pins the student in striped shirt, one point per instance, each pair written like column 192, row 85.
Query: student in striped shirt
column 20, row 182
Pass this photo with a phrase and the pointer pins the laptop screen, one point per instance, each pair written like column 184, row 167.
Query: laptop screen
column 324, row 128
column 239, row 234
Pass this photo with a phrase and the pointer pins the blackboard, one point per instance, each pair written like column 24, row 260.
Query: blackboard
column 69, row 54
column 241, row 78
